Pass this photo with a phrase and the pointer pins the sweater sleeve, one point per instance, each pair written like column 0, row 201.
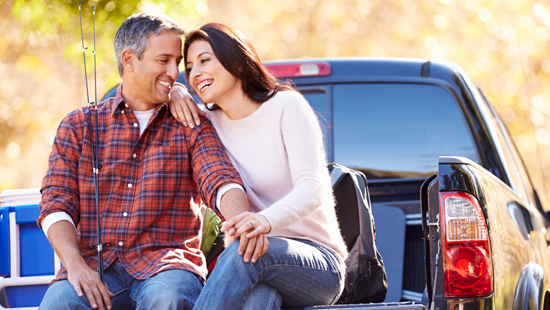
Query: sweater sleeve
column 303, row 142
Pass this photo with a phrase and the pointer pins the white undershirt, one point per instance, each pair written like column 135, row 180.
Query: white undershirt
column 143, row 118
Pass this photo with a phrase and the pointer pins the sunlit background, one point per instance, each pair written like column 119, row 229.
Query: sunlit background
column 502, row 44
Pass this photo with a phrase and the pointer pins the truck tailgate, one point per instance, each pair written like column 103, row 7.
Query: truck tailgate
column 386, row 306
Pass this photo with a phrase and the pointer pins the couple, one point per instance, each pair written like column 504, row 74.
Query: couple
column 268, row 180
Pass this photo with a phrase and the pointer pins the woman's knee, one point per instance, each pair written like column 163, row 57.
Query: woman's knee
column 230, row 254
column 263, row 296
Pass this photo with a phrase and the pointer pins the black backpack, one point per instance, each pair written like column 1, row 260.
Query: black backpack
column 366, row 279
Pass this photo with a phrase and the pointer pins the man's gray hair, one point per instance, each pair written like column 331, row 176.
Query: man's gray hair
column 135, row 31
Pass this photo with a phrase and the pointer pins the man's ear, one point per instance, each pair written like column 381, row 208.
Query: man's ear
column 128, row 59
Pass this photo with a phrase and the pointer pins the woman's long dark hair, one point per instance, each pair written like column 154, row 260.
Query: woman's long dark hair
column 238, row 56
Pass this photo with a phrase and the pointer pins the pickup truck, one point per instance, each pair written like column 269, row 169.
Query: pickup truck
column 459, row 222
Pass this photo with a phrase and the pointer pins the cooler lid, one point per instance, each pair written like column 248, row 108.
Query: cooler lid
column 20, row 197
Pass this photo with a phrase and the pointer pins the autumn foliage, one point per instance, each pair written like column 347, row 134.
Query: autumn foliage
column 501, row 44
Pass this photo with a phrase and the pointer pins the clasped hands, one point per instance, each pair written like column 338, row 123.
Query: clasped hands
column 251, row 228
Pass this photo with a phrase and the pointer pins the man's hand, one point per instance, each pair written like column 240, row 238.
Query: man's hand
column 253, row 244
column 251, row 228
column 251, row 248
column 183, row 108
column 86, row 281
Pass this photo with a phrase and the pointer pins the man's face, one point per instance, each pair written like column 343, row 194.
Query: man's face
column 157, row 70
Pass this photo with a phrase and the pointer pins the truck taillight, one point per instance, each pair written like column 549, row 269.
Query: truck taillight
column 467, row 265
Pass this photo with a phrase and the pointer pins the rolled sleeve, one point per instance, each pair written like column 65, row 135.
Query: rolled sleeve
column 60, row 185
column 211, row 166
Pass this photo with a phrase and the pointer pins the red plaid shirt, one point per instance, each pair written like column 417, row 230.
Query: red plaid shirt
column 145, row 187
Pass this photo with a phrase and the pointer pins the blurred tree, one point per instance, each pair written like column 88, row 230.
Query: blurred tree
column 502, row 44
column 41, row 72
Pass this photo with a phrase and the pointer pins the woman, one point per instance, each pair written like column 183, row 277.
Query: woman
column 273, row 138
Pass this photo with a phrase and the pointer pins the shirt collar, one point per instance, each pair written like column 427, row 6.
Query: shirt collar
column 120, row 103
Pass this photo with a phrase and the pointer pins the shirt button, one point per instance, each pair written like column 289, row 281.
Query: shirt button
column 121, row 112
column 121, row 243
column 125, row 213
column 135, row 155
column 136, row 124
column 126, row 104
column 130, row 185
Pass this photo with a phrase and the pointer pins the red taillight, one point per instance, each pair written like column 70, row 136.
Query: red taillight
column 467, row 265
column 300, row 70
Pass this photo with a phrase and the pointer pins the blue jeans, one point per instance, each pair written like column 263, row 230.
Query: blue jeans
column 171, row 289
column 291, row 274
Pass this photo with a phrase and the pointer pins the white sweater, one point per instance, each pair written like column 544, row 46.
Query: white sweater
column 278, row 150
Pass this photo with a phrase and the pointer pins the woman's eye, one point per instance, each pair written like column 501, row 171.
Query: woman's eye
column 188, row 69
column 205, row 60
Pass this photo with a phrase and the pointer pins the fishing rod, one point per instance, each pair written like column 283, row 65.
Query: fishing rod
column 94, row 142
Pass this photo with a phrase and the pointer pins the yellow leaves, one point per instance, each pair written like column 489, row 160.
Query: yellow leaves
column 440, row 21
column 291, row 6
column 526, row 22
column 32, row 65
column 526, row 144
column 349, row 26
column 13, row 150
column 290, row 34
column 365, row 7
column 502, row 44
column 152, row 7
column 539, row 10
column 110, row 6
column 484, row 15
column 201, row 8
column 542, row 136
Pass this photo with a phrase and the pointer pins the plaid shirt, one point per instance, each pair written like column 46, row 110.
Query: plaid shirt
column 145, row 187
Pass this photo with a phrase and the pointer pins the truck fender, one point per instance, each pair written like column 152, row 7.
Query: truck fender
column 530, row 288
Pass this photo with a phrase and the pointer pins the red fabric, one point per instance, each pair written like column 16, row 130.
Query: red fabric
column 152, row 217
column 213, row 264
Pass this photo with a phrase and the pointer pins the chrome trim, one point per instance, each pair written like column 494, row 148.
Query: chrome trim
column 411, row 295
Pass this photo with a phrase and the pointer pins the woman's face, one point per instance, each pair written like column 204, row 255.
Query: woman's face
column 212, row 82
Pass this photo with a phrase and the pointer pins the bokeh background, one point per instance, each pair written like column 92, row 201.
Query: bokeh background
column 502, row 44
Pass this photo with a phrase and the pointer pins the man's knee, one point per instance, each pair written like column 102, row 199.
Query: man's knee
column 172, row 289
column 61, row 295
column 167, row 299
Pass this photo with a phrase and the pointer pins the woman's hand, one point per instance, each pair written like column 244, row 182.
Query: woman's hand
column 244, row 222
column 183, row 108
column 251, row 228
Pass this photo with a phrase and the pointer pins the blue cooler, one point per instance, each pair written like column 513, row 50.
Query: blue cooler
column 27, row 260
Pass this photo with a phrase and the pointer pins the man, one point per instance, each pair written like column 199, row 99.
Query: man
column 150, row 168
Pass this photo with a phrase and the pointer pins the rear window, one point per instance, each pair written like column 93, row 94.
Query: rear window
column 397, row 130
column 317, row 98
